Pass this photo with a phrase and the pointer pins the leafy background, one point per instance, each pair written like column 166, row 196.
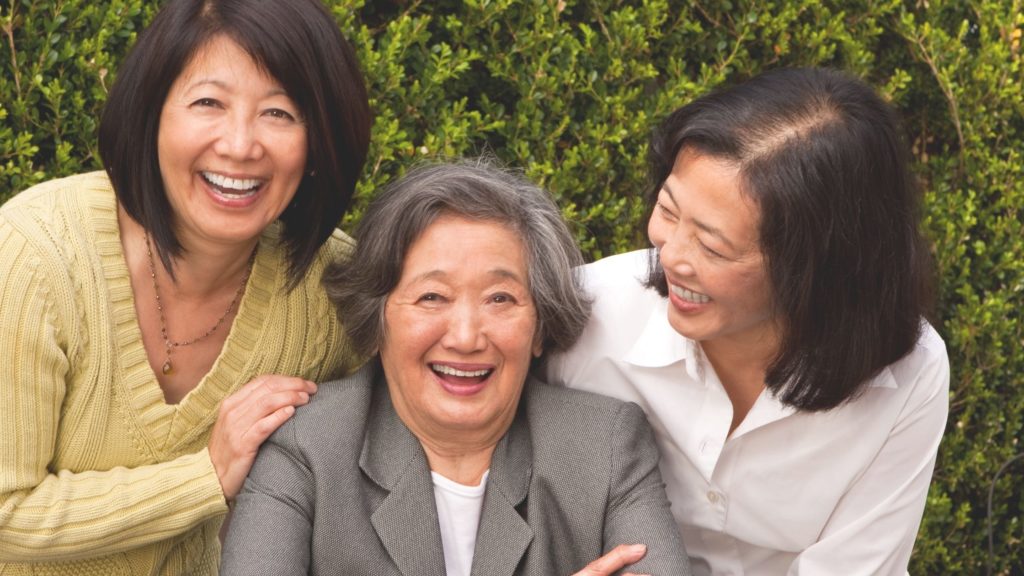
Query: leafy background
column 569, row 90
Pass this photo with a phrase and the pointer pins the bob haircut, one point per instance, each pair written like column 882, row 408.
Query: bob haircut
column 359, row 286
column 823, row 157
column 297, row 43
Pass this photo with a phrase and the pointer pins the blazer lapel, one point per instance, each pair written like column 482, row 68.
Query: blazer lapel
column 504, row 536
column 406, row 520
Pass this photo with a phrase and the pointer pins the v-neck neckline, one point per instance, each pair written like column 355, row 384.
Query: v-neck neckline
column 167, row 427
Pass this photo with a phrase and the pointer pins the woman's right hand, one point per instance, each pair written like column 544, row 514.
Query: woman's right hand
column 246, row 419
column 621, row 556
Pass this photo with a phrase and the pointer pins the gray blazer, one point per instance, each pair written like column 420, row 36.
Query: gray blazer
column 344, row 488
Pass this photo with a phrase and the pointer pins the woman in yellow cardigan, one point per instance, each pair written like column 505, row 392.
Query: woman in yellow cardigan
column 158, row 321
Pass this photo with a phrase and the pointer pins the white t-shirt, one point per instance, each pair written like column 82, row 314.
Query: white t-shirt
column 458, row 512
column 840, row 492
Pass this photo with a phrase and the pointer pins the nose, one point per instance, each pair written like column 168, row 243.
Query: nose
column 465, row 332
column 239, row 139
column 676, row 255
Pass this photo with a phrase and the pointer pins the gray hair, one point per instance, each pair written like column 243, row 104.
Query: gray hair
column 359, row 286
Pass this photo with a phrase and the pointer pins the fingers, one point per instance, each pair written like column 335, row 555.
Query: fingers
column 255, row 411
column 621, row 556
column 246, row 419
column 267, row 383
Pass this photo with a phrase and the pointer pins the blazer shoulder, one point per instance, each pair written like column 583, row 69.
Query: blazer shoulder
column 565, row 413
column 341, row 403
column 560, row 398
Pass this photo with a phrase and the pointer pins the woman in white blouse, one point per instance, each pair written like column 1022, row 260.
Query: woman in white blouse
column 774, row 334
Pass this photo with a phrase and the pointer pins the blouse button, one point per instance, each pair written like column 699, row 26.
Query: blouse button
column 712, row 496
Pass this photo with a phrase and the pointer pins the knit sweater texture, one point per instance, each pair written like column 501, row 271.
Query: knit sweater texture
column 98, row 475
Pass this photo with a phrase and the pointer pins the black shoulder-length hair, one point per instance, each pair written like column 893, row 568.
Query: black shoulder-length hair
column 296, row 42
column 823, row 157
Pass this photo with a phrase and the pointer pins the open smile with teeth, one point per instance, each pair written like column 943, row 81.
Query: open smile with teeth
column 232, row 186
column 689, row 295
column 449, row 371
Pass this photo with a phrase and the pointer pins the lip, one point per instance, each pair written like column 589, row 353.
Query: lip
column 234, row 201
column 680, row 303
column 460, row 386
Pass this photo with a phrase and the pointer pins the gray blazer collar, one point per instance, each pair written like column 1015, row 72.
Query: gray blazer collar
column 503, row 535
column 406, row 521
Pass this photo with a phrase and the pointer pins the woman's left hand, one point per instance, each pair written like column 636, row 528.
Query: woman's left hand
column 246, row 419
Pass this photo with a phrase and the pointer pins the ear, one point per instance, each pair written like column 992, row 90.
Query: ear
column 538, row 348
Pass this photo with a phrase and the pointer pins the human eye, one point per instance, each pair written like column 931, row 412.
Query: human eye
column 503, row 298
column 429, row 298
column 280, row 114
column 206, row 103
column 666, row 212
column 710, row 251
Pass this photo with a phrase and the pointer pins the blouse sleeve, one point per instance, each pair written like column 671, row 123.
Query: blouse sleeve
column 638, row 510
column 873, row 528
column 48, row 514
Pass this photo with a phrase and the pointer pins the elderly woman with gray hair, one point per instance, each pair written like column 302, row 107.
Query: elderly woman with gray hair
column 443, row 456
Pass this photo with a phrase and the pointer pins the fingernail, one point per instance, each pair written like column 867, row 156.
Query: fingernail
column 312, row 385
column 304, row 397
column 638, row 548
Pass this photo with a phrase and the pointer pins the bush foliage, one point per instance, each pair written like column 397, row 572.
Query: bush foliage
column 569, row 90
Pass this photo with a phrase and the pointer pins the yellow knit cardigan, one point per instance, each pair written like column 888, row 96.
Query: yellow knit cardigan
column 98, row 475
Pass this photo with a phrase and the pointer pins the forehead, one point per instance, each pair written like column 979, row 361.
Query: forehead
column 454, row 244
column 710, row 191
column 221, row 57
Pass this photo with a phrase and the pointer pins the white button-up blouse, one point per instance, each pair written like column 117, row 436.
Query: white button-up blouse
column 788, row 492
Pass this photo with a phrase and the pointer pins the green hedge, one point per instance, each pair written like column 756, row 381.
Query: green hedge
column 569, row 89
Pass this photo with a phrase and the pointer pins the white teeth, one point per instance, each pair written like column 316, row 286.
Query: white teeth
column 240, row 184
column 689, row 295
column 460, row 373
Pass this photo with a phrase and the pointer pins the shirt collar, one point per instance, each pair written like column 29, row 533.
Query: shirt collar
column 766, row 409
column 659, row 345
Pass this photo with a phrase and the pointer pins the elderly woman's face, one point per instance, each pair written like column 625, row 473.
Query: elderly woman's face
column 460, row 331
column 231, row 145
column 707, row 234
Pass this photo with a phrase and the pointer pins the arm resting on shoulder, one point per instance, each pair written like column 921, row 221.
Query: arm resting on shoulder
column 638, row 510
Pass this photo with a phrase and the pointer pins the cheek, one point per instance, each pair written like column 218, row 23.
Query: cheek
column 164, row 150
column 296, row 160
column 520, row 341
column 656, row 231
column 414, row 334
column 752, row 289
column 174, row 135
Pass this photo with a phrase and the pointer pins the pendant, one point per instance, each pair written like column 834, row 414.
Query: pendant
column 167, row 367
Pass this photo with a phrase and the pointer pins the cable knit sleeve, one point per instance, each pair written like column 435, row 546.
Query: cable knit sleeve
column 49, row 514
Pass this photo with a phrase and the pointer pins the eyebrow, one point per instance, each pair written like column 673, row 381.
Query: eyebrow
column 500, row 273
column 701, row 224
column 224, row 86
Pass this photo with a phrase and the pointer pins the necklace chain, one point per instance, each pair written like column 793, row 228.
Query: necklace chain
column 169, row 344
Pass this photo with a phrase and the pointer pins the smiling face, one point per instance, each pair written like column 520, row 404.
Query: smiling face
column 706, row 231
column 460, row 332
column 231, row 147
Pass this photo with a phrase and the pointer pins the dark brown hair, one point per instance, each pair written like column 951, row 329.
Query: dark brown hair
column 296, row 42
column 823, row 157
